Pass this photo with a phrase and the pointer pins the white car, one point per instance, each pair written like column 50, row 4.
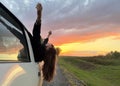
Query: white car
column 17, row 64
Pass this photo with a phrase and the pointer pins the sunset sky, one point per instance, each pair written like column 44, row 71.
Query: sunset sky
column 80, row 27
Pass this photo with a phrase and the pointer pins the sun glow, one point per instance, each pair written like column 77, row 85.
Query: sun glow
column 8, row 57
column 98, row 47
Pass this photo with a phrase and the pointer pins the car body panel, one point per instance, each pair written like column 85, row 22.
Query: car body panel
column 15, row 72
column 18, row 74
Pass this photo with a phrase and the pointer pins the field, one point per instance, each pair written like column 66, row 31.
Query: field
column 91, row 71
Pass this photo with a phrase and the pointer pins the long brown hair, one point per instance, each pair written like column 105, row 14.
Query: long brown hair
column 49, row 64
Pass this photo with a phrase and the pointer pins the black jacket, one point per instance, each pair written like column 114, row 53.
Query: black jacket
column 39, row 48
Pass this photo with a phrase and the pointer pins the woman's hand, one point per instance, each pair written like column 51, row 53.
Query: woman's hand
column 39, row 7
column 49, row 33
column 39, row 13
column 41, row 65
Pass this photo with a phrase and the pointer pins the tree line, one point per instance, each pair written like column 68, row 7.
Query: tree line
column 113, row 54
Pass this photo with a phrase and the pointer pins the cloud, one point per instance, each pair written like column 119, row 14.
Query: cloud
column 77, row 19
column 84, row 35
column 99, row 19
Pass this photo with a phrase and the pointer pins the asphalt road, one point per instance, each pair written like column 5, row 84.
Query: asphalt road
column 59, row 79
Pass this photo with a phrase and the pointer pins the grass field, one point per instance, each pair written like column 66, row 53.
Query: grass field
column 93, row 71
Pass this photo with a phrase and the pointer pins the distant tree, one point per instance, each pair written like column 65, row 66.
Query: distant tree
column 109, row 55
column 114, row 54
column 58, row 50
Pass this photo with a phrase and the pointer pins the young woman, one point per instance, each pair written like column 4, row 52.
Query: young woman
column 45, row 53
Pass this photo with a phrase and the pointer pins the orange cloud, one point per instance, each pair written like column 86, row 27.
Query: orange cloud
column 71, row 38
column 99, row 46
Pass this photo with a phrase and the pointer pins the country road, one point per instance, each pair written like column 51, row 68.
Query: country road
column 59, row 79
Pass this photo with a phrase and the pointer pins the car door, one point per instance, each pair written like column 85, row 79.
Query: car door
column 17, row 66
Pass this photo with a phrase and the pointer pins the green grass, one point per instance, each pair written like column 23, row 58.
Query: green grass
column 93, row 72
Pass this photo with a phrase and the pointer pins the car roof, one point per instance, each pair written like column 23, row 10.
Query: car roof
column 11, row 18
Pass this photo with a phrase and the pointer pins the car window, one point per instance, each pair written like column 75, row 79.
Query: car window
column 13, row 45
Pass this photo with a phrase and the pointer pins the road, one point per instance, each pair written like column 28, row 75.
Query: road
column 59, row 79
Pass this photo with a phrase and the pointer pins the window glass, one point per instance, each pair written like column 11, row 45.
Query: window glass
column 12, row 42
